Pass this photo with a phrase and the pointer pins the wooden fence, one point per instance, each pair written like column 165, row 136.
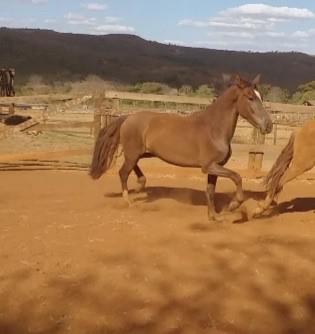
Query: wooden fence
column 285, row 117
column 112, row 104
column 115, row 103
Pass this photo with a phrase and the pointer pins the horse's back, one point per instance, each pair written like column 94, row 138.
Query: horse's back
column 171, row 137
column 133, row 130
column 304, row 145
column 147, row 122
column 306, row 134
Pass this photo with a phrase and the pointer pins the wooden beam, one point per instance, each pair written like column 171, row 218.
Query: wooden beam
column 289, row 108
column 157, row 98
column 43, row 155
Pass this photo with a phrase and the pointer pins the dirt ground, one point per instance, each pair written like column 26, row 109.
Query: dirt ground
column 75, row 259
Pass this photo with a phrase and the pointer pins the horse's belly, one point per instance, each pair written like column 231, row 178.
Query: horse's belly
column 183, row 153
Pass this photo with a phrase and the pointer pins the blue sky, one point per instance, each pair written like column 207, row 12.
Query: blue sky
column 225, row 24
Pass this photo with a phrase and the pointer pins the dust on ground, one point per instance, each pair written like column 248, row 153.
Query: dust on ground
column 75, row 259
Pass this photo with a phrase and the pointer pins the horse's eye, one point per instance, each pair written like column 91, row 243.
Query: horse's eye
column 251, row 98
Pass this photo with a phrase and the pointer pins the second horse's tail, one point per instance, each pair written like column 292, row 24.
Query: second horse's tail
column 105, row 148
column 282, row 163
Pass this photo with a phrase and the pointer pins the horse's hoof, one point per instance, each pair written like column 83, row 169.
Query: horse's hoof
column 140, row 184
column 216, row 219
column 234, row 205
column 126, row 198
column 258, row 211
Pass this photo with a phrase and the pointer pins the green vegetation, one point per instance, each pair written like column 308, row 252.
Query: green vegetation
column 150, row 88
column 274, row 94
column 205, row 91
column 304, row 93
column 160, row 88
column 93, row 84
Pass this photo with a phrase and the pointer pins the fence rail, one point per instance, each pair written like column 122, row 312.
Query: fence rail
column 157, row 98
column 112, row 104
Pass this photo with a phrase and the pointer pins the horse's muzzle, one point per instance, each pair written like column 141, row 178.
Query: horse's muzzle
column 267, row 128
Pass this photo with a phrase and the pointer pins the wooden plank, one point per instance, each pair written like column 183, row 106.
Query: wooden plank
column 37, row 99
column 157, row 98
column 33, row 106
column 289, row 108
column 44, row 154
column 43, row 168
column 39, row 164
column 26, row 125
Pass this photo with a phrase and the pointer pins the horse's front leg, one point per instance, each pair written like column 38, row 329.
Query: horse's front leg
column 218, row 170
column 211, row 184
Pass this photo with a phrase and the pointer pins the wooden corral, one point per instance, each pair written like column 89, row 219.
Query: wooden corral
column 65, row 115
column 285, row 117
column 310, row 103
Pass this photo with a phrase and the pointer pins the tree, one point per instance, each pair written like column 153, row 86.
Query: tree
column 151, row 88
column 186, row 90
column 205, row 90
column 277, row 94
column 304, row 93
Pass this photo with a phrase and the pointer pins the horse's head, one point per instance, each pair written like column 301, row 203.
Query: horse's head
column 250, row 105
column 12, row 71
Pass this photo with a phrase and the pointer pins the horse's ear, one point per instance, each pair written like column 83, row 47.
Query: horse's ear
column 226, row 78
column 256, row 81
column 238, row 81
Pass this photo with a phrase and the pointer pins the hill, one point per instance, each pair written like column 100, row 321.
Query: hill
column 131, row 59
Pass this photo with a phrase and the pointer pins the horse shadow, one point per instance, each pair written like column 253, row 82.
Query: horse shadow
column 188, row 196
column 299, row 204
column 296, row 205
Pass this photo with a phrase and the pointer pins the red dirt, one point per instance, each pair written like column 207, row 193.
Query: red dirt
column 75, row 261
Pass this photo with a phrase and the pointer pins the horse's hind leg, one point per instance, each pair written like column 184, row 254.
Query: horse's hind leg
column 124, row 173
column 290, row 174
column 141, row 178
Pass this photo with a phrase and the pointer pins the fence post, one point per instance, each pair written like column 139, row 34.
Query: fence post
column 97, row 123
column 256, row 155
column 12, row 109
column 98, row 116
column 116, row 105
column 275, row 133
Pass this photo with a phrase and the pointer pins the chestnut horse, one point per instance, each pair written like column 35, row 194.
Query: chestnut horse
column 202, row 139
column 3, row 82
column 10, row 82
column 297, row 157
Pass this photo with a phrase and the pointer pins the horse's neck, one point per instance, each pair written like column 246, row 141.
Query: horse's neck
column 223, row 114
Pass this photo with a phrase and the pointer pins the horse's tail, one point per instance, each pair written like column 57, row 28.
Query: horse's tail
column 282, row 163
column 106, row 147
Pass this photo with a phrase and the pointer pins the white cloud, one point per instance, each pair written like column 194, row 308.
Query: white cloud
column 112, row 19
column 192, row 23
column 94, row 6
column 250, row 17
column 5, row 20
column 50, row 21
column 304, row 34
column 39, row 1
column 78, row 19
column 35, row 2
column 274, row 34
column 266, row 11
column 108, row 23
column 227, row 24
column 113, row 28
column 234, row 34
column 256, row 26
